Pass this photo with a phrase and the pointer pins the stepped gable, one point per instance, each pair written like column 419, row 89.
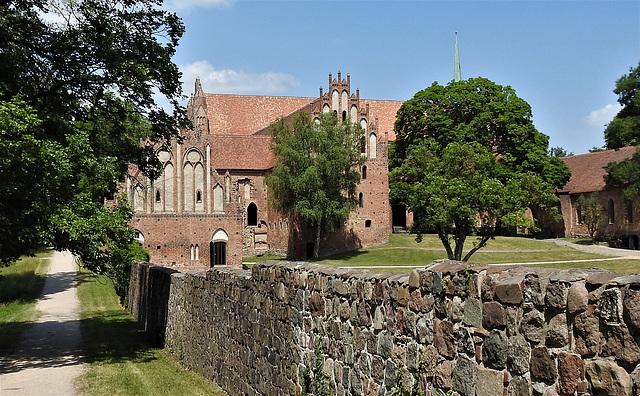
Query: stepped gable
column 245, row 114
column 242, row 152
column 588, row 170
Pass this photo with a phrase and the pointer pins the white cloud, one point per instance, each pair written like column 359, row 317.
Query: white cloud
column 604, row 115
column 236, row 82
column 183, row 5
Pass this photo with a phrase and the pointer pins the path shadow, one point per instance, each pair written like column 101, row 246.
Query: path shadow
column 45, row 344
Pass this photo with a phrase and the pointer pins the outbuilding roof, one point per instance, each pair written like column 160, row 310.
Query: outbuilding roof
column 588, row 170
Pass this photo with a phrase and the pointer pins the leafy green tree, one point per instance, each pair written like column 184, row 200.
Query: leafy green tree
column 624, row 129
column 468, row 160
column 589, row 213
column 626, row 176
column 317, row 172
column 77, row 83
column 559, row 152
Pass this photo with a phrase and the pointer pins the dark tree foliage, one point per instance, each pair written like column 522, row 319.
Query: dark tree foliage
column 317, row 172
column 560, row 152
column 626, row 176
column 468, row 160
column 624, row 129
column 77, row 80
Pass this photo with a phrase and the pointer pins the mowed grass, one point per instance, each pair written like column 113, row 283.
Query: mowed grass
column 121, row 361
column 402, row 253
column 20, row 286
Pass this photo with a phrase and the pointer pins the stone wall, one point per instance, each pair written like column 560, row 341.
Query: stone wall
column 473, row 330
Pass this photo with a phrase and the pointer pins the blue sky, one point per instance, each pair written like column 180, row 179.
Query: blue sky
column 562, row 57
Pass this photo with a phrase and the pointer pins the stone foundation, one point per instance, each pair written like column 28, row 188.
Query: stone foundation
column 474, row 330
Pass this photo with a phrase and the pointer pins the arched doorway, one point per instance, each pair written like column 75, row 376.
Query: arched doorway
column 218, row 248
column 252, row 215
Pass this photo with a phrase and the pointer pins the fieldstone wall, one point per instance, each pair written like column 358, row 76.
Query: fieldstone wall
column 446, row 328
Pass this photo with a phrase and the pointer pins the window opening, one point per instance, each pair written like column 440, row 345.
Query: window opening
column 612, row 213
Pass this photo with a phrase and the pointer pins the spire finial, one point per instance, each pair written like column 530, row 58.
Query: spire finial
column 457, row 73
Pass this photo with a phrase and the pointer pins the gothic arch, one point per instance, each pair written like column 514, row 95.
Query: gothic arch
column 218, row 248
column 373, row 141
column 218, row 198
column 193, row 180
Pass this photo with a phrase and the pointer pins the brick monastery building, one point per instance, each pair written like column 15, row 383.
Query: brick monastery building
column 210, row 206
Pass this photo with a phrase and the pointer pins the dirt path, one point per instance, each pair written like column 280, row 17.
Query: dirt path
column 48, row 359
column 604, row 250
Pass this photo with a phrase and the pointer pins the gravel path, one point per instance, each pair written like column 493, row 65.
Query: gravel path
column 48, row 359
column 604, row 250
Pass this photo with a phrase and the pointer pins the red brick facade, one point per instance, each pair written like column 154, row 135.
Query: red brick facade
column 211, row 203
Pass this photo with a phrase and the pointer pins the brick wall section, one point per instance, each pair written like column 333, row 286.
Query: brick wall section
column 478, row 331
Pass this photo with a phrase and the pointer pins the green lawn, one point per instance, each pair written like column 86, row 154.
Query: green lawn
column 403, row 251
column 121, row 361
column 20, row 286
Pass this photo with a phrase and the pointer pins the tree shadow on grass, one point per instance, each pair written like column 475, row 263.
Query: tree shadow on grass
column 114, row 337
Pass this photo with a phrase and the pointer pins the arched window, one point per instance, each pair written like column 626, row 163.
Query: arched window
column 252, row 215
column 344, row 115
column 198, row 196
column 197, row 252
column 373, row 140
column 158, row 196
column 364, row 172
column 192, row 252
column 611, row 212
column 360, row 200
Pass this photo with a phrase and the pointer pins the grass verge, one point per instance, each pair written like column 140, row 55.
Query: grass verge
column 20, row 286
column 403, row 251
column 120, row 359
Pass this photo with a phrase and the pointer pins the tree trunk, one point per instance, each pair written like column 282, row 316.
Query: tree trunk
column 445, row 242
column 316, row 246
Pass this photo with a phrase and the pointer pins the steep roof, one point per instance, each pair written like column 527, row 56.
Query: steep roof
column 588, row 170
column 385, row 111
column 242, row 152
column 245, row 114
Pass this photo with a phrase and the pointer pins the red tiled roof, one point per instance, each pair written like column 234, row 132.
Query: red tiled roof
column 242, row 152
column 245, row 114
column 588, row 170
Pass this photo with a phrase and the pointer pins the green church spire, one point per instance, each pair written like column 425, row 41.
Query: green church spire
column 457, row 74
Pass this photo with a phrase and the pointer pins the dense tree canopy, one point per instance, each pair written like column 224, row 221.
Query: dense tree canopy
column 468, row 160
column 624, row 129
column 317, row 172
column 77, row 83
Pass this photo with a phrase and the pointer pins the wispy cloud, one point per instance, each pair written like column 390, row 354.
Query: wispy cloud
column 604, row 115
column 184, row 5
column 236, row 82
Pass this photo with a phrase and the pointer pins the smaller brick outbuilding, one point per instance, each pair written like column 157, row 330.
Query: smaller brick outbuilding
column 621, row 220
